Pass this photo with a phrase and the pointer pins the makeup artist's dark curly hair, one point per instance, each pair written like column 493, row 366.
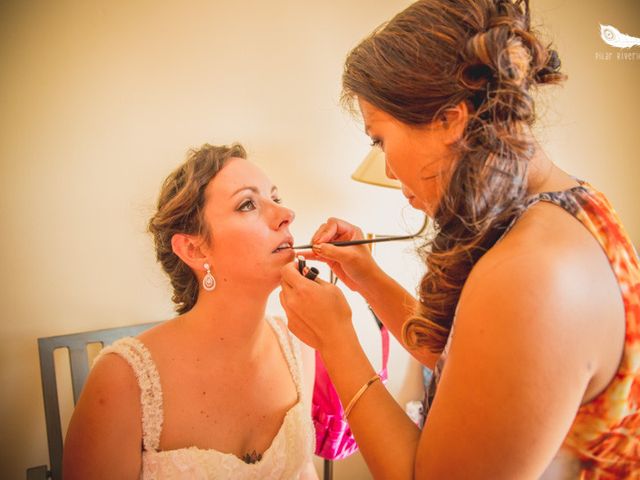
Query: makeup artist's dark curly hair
column 433, row 56
column 180, row 210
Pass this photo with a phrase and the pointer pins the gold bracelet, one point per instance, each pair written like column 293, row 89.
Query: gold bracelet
column 358, row 394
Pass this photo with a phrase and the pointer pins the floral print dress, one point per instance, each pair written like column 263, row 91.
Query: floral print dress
column 605, row 434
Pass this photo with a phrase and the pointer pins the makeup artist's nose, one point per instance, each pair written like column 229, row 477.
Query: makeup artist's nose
column 388, row 172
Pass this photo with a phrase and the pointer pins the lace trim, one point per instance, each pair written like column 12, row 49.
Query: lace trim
column 291, row 351
column 138, row 357
column 136, row 354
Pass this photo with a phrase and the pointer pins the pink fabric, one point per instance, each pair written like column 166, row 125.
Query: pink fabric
column 334, row 440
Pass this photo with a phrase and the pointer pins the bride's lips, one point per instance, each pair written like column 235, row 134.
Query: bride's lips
column 284, row 245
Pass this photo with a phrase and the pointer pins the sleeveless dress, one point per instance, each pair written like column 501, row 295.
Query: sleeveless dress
column 605, row 435
column 285, row 458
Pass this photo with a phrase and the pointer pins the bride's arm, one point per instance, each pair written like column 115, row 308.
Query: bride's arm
column 105, row 433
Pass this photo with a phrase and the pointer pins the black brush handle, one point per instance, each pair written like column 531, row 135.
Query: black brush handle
column 359, row 242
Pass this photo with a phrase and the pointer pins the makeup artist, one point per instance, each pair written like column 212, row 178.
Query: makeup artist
column 529, row 312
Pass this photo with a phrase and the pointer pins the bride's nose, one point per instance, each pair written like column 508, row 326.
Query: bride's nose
column 284, row 216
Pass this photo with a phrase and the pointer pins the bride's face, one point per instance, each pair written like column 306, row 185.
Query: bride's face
column 247, row 224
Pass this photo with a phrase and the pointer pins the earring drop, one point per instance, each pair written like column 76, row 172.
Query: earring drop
column 208, row 282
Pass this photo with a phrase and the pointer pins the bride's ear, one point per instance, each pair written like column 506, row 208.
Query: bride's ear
column 189, row 248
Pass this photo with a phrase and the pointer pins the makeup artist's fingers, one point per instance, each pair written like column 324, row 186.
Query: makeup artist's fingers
column 292, row 279
column 289, row 300
column 297, row 325
column 318, row 313
column 290, row 276
column 338, row 254
column 319, row 233
column 353, row 265
column 283, row 300
column 309, row 255
column 335, row 229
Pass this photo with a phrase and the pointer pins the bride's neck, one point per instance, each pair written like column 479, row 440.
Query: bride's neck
column 233, row 321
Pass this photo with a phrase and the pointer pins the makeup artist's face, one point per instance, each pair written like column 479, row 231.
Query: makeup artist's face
column 247, row 224
column 416, row 155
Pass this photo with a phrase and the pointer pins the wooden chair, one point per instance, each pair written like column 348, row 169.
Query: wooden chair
column 76, row 344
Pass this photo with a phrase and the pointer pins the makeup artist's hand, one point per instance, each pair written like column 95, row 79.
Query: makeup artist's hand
column 354, row 264
column 317, row 311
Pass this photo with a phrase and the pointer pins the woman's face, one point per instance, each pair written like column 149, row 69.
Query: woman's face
column 247, row 225
column 418, row 156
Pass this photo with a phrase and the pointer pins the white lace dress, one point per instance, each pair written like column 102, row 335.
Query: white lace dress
column 290, row 449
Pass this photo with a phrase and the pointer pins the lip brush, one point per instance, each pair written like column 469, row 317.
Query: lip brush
column 423, row 228
column 359, row 242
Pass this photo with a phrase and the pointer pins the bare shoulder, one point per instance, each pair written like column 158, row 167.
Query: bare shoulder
column 532, row 284
column 111, row 371
column 549, row 265
column 105, row 431
column 550, row 280
column 111, row 392
column 159, row 334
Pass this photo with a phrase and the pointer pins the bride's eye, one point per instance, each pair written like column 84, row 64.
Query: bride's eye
column 247, row 206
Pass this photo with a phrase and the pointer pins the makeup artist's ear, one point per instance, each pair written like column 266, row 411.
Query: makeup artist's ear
column 189, row 249
column 453, row 122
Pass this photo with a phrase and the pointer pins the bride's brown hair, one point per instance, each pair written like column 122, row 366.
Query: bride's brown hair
column 431, row 57
column 180, row 210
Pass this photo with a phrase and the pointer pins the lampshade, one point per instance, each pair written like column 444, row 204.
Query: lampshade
column 372, row 170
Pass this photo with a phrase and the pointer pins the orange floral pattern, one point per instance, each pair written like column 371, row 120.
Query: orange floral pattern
column 605, row 434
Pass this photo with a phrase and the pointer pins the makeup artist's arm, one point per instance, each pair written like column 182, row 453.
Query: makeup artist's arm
column 386, row 436
column 527, row 351
column 358, row 270
column 514, row 377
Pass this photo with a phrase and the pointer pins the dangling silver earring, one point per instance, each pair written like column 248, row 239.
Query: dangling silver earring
column 208, row 282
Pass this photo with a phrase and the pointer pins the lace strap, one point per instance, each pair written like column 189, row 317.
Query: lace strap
column 134, row 352
column 291, row 349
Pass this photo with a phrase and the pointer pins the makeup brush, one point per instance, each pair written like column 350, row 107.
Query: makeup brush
column 371, row 240
column 358, row 242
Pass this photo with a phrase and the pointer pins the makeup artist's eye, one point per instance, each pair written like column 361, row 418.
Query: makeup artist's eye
column 247, row 206
column 376, row 142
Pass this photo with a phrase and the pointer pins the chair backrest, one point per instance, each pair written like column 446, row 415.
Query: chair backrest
column 76, row 344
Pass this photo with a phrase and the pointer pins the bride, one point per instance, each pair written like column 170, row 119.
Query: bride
column 216, row 392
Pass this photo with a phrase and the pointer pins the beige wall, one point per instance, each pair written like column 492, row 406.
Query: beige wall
column 99, row 100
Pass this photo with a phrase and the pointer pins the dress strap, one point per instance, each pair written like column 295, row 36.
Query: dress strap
column 134, row 352
column 566, row 199
column 291, row 349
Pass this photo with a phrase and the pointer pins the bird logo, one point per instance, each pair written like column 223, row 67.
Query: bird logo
column 612, row 36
